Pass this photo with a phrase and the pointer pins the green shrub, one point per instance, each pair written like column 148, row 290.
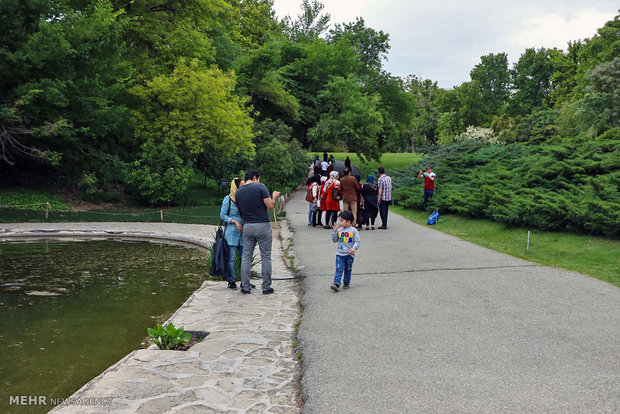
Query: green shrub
column 571, row 185
column 159, row 175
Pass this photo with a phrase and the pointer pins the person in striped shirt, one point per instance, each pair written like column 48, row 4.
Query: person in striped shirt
column 384, row 197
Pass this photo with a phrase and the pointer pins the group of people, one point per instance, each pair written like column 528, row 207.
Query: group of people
column 245, row 212
column 340, row 204
column 327, row 196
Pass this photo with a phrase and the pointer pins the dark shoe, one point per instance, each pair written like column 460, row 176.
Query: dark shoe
column 382, row 227
column 252, row 286
column 345, row 286
column 268, row 291
column 334, row 287
column 245, row 292
column 373, row 227
column 232, row 285
column 326, row 227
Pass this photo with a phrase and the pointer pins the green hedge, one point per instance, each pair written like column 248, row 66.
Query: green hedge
column 573, row 185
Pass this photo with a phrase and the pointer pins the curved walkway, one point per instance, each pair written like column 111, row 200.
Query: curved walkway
column 246, row 364
column 434, row 324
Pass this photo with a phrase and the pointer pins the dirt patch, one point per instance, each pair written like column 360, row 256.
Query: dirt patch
column 197, row 336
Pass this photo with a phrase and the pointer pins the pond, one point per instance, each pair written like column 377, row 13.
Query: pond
column 71, row 309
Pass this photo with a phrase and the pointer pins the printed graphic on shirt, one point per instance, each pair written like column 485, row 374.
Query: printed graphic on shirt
column 345, row 236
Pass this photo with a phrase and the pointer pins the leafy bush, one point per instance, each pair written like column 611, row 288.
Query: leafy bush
column 159, row 175
column 168, row 337
column 568, row 186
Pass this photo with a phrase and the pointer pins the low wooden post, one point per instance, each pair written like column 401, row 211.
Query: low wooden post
column 161, row 215
column 47, row 210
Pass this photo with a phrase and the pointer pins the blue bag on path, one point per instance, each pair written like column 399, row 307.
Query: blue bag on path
column 432, row 219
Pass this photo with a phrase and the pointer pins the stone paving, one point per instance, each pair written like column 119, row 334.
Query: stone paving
column 246, row 364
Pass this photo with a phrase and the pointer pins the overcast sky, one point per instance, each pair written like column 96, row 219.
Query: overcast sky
column 443, row 40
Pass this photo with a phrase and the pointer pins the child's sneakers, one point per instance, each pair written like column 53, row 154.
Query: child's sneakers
column 335, row 287
column 346, row 286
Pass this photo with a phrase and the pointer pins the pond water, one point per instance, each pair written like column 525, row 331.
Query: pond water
column 71, row 309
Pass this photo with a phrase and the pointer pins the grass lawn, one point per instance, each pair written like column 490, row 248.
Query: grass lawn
column 389, row 160
column 594, row 256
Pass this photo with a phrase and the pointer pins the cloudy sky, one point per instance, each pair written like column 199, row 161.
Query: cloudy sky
column 443, row 40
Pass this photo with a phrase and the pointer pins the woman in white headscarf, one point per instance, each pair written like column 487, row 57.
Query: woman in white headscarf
column 234, row 226
column 331, row 205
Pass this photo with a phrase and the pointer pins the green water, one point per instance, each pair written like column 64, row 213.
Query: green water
column 69, row 310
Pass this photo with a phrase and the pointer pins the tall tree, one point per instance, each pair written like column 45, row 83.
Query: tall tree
column 348, row 116
column 195, row 109
column 426, row 116
column 256, row 21
column 260, row 77
column 370, row 46
column 65, row 104
column 310, row 24
column 531, row 79
column 493, row 76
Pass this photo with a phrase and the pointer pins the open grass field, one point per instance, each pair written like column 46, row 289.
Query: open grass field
column 594, row 256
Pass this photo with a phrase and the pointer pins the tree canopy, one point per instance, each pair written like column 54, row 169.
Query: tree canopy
column 95, row 88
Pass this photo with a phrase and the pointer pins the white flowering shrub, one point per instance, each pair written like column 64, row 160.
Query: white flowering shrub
column 478, row 134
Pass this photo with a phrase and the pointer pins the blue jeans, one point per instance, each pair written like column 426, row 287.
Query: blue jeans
column 310, row 213
column 232, row 255
column 428, row 194
column 343, row 264
column 256, row 233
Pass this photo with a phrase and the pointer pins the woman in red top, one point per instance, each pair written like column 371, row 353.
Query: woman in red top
column 332, row 206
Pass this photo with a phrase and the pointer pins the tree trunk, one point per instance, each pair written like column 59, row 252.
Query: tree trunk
column 412, row 142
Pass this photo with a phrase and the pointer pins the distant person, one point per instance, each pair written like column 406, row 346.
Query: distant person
column 325, row 156
column 229, row 213
column 331, row 159
column 370, row 194
column 347, row 162
column 348, row 241
column 317, row 165
column 429, row 184
column 315, row 190
column 384, row 196
column 358, row 223
column 324, row 166
column 350, row 190
column 253, row 200
column 309, row 198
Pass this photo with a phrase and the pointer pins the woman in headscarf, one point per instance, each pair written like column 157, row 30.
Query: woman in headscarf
column 322, row 203
column 332, row 206
column 234, row 226
column 369, row 195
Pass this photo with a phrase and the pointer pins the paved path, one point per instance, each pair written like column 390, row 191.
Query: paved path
column 246, row 364
column 434, row 324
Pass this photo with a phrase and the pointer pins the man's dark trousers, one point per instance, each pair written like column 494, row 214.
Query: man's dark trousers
column 383, row 211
